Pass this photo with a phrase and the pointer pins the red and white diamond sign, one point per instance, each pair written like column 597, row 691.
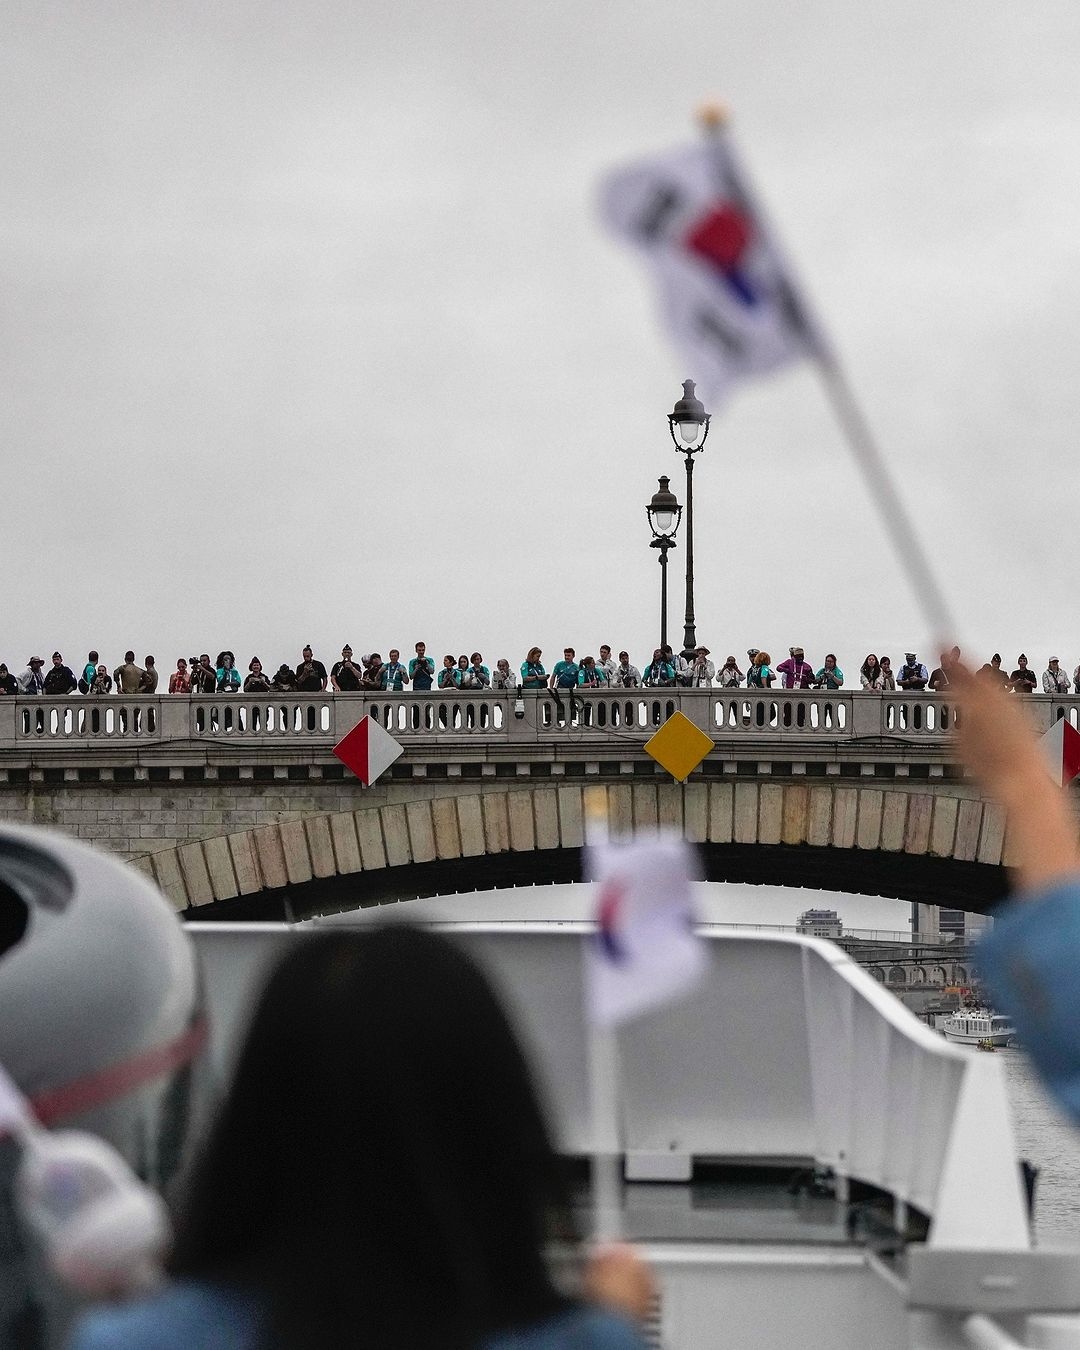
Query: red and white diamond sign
column 1061, row 746
column 368, row 750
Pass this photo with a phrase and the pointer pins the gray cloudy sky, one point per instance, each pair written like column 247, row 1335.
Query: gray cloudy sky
column 310, row 331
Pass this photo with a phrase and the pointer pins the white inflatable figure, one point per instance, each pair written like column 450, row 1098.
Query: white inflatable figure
column 104, row 1232
column 100, row 1030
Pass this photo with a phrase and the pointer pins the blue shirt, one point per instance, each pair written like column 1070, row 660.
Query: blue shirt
column 192, row 1315
column 533, row 675
column 566, row 674
column 421, row 671
column 392, row 676
column 1029, row 961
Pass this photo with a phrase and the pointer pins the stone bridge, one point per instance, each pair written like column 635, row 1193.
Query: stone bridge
column 237, row 807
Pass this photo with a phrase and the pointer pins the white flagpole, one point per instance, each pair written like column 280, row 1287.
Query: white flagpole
column 603, row 1063
column 860, row 438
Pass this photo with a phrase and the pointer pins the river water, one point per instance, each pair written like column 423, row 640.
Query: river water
column 1044, row 1137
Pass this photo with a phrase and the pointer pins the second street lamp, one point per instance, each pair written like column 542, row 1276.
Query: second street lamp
column 688, row 423
column 664, row 514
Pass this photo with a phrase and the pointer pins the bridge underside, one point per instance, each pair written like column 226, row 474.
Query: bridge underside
column 973, row 886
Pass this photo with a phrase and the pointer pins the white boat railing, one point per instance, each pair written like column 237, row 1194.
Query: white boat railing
column 788, row 1051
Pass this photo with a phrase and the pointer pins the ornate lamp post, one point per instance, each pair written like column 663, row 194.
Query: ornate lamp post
column 664, row 514
column 688, row 423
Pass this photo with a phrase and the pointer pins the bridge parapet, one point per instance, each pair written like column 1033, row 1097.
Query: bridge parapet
column 807, row 722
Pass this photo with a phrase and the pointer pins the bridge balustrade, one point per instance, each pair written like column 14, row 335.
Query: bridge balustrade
column 593, row 716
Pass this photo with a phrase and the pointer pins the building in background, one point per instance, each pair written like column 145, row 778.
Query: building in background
column 957, row 924
column 824, row 923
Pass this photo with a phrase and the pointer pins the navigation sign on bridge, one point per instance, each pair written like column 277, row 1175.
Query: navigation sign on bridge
column 368, row 750
column 679, row 746
column 1061, row 746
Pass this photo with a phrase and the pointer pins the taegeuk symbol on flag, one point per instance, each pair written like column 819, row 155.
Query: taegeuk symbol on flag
column 727, row 298
column 645, row 951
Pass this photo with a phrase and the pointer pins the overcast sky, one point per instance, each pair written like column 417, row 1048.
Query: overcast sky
column 311, row 331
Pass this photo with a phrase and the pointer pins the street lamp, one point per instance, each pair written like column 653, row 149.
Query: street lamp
column 688, row 423
column 664, row 514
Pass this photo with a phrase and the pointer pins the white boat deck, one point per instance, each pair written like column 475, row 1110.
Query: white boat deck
column 789, row 1058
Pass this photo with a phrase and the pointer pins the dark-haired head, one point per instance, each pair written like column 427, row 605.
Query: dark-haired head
column 381, row 1161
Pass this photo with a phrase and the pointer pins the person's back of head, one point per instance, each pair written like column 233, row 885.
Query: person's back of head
column 381, row 1165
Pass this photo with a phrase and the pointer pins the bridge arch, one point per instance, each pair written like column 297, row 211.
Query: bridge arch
column 944, row 845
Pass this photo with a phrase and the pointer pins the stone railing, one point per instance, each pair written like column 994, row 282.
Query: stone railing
column 589, row 716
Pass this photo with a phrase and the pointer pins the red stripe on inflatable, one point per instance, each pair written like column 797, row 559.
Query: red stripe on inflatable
column 95, row 1089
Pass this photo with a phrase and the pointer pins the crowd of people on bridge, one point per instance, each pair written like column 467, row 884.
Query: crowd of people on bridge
column 372, row 674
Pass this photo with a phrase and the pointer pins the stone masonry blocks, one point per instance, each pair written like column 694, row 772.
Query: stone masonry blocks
column 196, row 877
column 620, row 809
column 968, row 825
column 471, row 825
column 845, row 815
column 294, row 847
column 992, row 836
column 669, row 806
column 871, row 809
column 370, row 838
column 770, row 813
column 796, row 814
column 893, row 820
column 695, row 812
column 271, row 857
column 445, row 824
column 320, row 846
column 421, row 831
column 721, row 799
column 571, row 816
column 395, row 826
column 169, row 878
column 496, row 822
column 245, row 864
column 519, row 807
column 546, row 812
column 345, row 843
column 917, row 833
column 220, row 867
column 943, row 826
column 646, row 816
column 819, row 824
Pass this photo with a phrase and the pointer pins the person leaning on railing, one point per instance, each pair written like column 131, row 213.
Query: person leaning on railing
column 626, row 675
column 830, row 676
column 533, row 674
column 1054, row 680
column 729, row 675
column 449, row 676
column 1023, row 678
column 658, row 673
column 760, row 675
column 503, row 677
column 421, row 669
column 256, row 681
column 871, row 676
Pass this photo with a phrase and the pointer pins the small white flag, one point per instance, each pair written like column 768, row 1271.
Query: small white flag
column 728, row 300
column 645, row 951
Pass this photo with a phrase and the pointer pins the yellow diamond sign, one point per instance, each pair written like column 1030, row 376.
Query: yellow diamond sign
column 679, row 747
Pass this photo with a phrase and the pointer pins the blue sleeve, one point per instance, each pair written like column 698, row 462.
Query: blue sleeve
column 1031, row 962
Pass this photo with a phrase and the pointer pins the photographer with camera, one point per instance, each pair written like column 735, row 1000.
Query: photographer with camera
column 345, row 675
column 626, row 675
